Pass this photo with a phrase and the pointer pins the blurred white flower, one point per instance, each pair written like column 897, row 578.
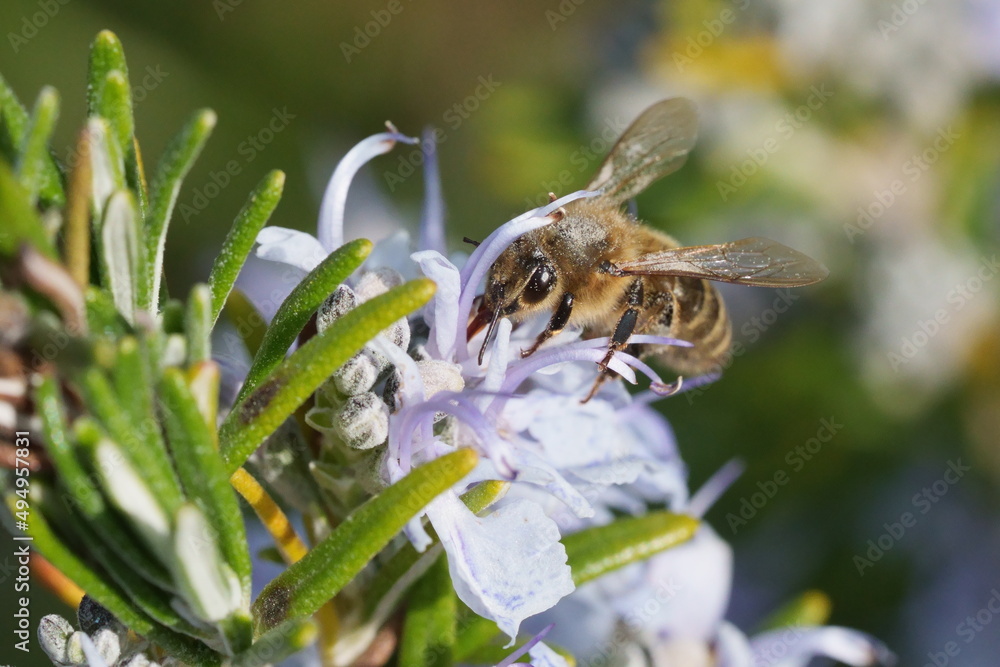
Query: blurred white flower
column 894, row 51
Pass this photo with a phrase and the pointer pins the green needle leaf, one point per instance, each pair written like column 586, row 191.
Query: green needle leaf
column 810, row 609
column 103, row 319
column 202, row 472
column 485, row 494
column 198, row 324
column 173, row 167
column 309, row 583
column 296, row 378
column 21, row 223
column 154, row 601
column 108, row 94
column 299, row 306
column 249, row 221
column 81, row 488
column 15, row 121
column 474, row 633
column 207, row 584
column 139, row 441
column 35, row 143
column 277, row 644
column 429, row 630
column 110, row 597
column 596, row 551
column 107, row 169
column 116, row 108
column 250, row 324
column 120, row 247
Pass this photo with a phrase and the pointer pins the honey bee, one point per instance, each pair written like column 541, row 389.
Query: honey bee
column 601, row 269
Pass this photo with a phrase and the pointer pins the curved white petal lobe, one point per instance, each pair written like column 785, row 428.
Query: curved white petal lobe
column 506, row 566
column 796, row 647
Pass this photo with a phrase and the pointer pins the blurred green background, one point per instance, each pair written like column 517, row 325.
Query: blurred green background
column 865, row 133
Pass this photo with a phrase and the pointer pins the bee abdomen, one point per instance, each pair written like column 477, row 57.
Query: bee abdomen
column 698, row 315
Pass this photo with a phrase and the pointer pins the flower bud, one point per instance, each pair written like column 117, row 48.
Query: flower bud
column 53, row 631
column 359, row 373
column 363, row 421
column 336, row 306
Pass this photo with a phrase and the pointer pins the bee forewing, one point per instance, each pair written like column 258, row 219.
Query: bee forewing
column 752, row 261
column 654, row 145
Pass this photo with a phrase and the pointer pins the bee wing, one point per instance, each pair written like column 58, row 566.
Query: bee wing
column 654, row 145
column 753, row 261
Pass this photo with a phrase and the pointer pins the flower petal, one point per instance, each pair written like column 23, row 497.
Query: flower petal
column 330, row 228
column 442, row 314
column 695, row 579
column 686, row 652
column 499, row 356
column 732, row 647
column 506, row 566
column 290, row 246
column 543, row 656
column 393, row 252
column 432, row 220
column 570, row 433
column 267, row 284
column 713, row 489
column 796, row 646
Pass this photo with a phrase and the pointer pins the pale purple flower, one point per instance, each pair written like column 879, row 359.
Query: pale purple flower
column 523, row 416
column 284, row 256
column 672, row 609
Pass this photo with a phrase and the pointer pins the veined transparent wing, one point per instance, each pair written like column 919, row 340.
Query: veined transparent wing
column 752, row 261
column 655, row 144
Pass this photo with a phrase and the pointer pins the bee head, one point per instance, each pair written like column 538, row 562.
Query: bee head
column 519, row 282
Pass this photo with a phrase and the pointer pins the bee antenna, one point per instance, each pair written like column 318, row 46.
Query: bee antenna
column 472, row 242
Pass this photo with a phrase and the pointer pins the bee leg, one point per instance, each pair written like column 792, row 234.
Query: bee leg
column 623, row 331
column 602, row 377
column 558, row 322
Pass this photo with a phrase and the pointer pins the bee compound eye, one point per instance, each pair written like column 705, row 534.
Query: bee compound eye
column 541, row 282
